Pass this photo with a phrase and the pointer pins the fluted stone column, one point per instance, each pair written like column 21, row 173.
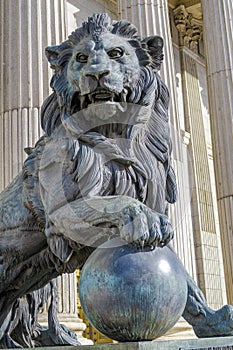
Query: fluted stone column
column 218, row 29
column 208, row 255
column 205, row 233
column 152, row 18
column 26, row 28
column 68, row 306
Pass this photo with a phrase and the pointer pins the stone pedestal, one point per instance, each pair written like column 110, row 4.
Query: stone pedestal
column 188, row 344
column 218, row 28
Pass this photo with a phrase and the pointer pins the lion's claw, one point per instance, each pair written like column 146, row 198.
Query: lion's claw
column 143, row 226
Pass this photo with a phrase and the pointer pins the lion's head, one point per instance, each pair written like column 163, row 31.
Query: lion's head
column 102, row 61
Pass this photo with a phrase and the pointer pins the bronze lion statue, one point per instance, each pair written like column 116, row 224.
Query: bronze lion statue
column 102, row 169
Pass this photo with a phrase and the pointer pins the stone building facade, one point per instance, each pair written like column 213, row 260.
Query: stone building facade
column 198, row 70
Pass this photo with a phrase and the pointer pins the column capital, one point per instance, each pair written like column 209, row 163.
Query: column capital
column 189, row 28
column 181, row 18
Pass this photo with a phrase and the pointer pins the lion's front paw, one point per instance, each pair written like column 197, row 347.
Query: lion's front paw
column 143, row 226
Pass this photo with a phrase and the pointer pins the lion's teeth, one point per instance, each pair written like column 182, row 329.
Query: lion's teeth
column 82, row 99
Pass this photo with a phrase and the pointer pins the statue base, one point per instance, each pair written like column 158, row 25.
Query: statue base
column 219, row 343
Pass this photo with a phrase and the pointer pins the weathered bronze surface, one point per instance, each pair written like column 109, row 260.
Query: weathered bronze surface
column 102, row 169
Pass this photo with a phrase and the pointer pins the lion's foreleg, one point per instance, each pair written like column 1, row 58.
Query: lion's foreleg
column 88, row 221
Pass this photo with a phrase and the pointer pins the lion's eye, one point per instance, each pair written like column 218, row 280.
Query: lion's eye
column 81, row 57
column 115, row 53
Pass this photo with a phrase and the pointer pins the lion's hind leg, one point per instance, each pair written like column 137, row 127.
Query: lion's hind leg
column 55, row 333
column 205, row 321
column 21, row 328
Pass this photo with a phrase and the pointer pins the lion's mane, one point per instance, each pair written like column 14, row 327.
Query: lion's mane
column 148, row 91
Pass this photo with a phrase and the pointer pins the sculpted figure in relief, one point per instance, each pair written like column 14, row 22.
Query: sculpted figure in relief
column 102, row 169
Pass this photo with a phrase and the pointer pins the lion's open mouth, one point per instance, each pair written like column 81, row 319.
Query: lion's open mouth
column 98, row 96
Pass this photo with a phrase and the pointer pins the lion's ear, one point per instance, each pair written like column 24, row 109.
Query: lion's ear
column 155, row 48
column 52, row 54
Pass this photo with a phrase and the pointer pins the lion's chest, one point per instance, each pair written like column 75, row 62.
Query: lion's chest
column 96, row 176
column 89, row 173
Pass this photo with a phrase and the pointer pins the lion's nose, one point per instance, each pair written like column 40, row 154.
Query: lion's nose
column 97, row 74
